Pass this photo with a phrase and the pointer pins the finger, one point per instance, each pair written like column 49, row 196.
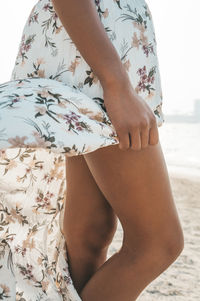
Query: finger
column 144, row 133
column 135, row 139
column 153, row 134
column 124, row 142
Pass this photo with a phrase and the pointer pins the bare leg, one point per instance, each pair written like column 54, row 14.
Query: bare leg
column 89, row 222
column 137, row 185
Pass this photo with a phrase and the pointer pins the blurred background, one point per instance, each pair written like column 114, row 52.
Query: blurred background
column 177, row 26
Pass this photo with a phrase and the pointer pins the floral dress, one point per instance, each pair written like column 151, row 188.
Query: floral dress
column 51, row 108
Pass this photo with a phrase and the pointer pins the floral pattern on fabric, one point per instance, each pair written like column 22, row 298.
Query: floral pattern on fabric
column 46, row 50
column 33, row 255
column 45, row 113
column 53, row 107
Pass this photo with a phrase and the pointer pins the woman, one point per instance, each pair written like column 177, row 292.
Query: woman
column 107, row 49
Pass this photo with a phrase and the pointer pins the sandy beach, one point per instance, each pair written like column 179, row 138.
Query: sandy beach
column 181, row 281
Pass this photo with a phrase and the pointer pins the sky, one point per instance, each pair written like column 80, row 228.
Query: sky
column 176, row 26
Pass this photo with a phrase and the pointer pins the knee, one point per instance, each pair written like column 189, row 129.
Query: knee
column 93, row 236
column 161, row 250
column 100, row 235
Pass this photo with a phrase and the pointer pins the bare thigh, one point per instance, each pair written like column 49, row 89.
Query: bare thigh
column 137, row 186
column 89, row 220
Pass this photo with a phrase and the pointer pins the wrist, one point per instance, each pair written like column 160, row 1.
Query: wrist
column 114, row 77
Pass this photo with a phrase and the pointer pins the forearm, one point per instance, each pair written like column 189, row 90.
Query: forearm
column 81, row 21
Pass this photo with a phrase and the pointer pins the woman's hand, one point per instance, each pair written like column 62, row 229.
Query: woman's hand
column 128, row 112
column 132, row 118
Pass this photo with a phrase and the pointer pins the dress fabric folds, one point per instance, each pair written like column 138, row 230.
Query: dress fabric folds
column 53, row 107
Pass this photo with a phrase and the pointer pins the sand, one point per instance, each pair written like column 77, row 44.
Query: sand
column 181, row 280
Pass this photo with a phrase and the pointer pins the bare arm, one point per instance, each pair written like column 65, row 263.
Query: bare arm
column 82, row 23
column 130, row 115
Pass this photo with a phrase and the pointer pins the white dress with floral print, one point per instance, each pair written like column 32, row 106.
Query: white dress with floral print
column 52, row 107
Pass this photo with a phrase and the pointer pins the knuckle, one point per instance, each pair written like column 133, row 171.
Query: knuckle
column 153, row 119
column 121, row 130
column 144, row 123
column 133, row 126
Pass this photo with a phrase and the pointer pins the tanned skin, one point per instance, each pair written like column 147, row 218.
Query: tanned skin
column 129, row 113
column 129, row 181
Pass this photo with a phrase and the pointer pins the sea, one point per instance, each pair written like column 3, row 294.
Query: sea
column 180, row 143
